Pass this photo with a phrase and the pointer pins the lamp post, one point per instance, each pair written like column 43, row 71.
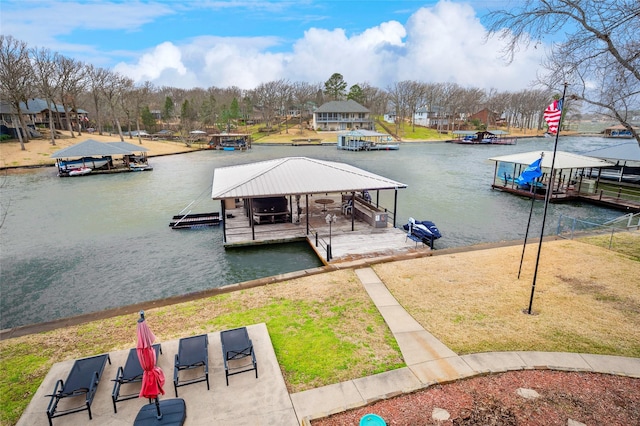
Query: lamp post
column 330, row 219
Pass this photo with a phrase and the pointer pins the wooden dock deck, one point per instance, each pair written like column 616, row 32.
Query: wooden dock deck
column 603, row 198
column 363, row 242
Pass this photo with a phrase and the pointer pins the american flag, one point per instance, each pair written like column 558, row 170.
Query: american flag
column 552, row 116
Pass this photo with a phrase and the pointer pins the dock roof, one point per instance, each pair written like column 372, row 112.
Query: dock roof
column 564, row 160
column 629, row 151
column 363, row 133
column 294, row 175
column 88, row 148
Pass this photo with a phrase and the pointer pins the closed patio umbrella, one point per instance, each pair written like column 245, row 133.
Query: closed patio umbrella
column 153, row 376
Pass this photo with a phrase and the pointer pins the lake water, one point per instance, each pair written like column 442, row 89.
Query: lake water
column 79, row 245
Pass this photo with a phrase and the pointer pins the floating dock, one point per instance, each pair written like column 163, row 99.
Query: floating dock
column 195, row 220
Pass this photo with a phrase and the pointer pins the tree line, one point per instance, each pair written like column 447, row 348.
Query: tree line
column 599, row 60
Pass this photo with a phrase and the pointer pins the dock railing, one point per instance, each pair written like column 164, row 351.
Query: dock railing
column 320, row 242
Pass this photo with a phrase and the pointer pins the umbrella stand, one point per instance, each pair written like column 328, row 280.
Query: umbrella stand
column 158, row 412
column 167, row 412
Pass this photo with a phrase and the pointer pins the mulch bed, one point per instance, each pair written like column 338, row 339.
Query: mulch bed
column 589, row 398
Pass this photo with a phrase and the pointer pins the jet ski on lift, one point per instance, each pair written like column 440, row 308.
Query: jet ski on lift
column 423, row 231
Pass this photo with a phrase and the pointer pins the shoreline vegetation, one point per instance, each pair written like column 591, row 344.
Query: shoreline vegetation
column 38, row 151
column 587, row 300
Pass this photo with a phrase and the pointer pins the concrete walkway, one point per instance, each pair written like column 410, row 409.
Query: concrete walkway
column 429, row 362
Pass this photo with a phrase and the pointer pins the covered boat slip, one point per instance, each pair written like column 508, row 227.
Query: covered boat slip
column 568, row 181
column 366, row 140
column 230, row 141
column 298, row 198
column 98, row 158
column 487, row 137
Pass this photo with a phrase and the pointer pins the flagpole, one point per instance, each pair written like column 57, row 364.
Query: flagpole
column 547, row 197
column 526, row 234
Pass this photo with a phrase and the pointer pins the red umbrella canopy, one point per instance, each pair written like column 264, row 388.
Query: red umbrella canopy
column 153, row 376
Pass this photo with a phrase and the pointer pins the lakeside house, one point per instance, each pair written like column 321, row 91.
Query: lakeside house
column 342, row 115
column 36, row 114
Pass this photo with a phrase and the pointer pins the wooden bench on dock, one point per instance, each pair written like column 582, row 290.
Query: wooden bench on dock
column 367, row 212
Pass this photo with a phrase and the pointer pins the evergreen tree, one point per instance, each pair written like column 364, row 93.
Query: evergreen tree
column 335, row 87
column 167, row 111
column 357, row 94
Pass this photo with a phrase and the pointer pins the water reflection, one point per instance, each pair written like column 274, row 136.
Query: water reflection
column 78, row 245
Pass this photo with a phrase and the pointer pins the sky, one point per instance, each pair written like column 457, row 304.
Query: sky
column 243, row 43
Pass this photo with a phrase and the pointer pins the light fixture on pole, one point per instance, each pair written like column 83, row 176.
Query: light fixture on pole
column 330, row 219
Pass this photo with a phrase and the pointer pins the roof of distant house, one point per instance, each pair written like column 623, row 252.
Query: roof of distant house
column 342, row 106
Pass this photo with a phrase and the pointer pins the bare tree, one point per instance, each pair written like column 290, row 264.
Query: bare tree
column 399, row 96
column 113, row 91
column 16, row 79
column 126, row 102
column 72, row 75
column 47, row 81
column 139, row 97
column 267, row 99
column 97, row 79
column 302, row 94
column 600, row 57
column 374, row 98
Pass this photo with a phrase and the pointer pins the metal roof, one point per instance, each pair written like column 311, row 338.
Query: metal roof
column 564, row 160
column 628, row 151
column 294, row 175
column 129, row 146
column 362, row 133
column 91, row 147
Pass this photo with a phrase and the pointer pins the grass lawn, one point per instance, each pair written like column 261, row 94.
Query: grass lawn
column 586, row 299
column 325, row 329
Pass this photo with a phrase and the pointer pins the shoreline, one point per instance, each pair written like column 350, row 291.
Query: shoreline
column 38, row 151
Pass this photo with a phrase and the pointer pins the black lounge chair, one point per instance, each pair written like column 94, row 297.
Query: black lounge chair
column 236, row 345
column 131, row 373
column 82, row 380
column 193, row 352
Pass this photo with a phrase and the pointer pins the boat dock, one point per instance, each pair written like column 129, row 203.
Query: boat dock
column 194, row 220
column 364, row 241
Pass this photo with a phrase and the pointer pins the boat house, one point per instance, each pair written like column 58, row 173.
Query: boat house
column 366, row 140
column 230, row 141
column 569, row 180
column 619, row 131
column 336, row 207
column 96, row 157
column 627, row 159
column 495, row 137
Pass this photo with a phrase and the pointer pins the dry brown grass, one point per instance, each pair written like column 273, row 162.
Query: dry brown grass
column 587, row 299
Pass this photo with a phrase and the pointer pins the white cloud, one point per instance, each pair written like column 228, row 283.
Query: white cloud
column 151, row 65
column 444, row 43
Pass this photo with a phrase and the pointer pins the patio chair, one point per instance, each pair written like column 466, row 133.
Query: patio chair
column 82, row 380
column 236, row 345
column 193, row 352
column 131, row 373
